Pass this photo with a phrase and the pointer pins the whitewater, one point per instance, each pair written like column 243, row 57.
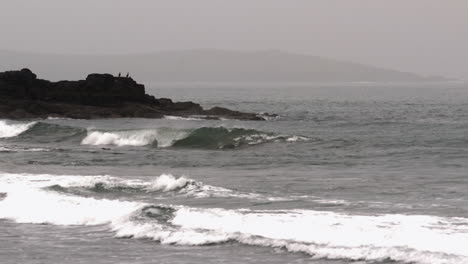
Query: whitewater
column 321, row 234
column 12, row 129
column 342, row 175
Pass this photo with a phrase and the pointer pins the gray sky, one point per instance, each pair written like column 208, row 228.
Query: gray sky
column 422, row 36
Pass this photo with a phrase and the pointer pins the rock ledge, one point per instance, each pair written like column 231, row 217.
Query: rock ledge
column 24, row 96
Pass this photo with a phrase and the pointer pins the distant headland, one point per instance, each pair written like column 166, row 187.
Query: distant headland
column 24, row 96
column 211, row 66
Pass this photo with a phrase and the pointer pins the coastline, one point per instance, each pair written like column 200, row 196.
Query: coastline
column 24, row 96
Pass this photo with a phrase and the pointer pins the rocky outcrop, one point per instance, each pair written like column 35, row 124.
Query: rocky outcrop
column 23, row 95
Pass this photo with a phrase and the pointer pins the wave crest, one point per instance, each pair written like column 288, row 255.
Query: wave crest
column 163, row 137
column 224, row 138
column 167, row 182
column 203, row 138
column 139, row 138
column 9, row 129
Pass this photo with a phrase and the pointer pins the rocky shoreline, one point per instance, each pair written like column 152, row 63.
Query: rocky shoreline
column 24, row 96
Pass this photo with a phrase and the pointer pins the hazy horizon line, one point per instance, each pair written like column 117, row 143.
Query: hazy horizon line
column 240, row 51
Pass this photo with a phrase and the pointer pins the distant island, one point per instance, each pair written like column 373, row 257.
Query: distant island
column 210, row 66
column 24, row 96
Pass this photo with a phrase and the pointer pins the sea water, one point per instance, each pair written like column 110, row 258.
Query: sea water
column 347, row 173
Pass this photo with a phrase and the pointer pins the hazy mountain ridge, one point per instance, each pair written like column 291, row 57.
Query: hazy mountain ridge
column 207, row 65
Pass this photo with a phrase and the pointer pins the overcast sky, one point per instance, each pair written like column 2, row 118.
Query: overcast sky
column 422, row 36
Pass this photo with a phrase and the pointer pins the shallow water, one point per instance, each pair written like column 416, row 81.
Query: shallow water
column 347, row 173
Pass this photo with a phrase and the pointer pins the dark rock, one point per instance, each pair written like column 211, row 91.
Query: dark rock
column 23, row 96
column 227, row 113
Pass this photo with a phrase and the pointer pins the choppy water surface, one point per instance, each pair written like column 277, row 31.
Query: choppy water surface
column 347, row 173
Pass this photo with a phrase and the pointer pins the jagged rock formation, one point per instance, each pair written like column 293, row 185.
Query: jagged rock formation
column 23, row 95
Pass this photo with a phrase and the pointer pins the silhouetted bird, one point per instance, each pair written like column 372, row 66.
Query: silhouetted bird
column 119, row 74
column 128, row 75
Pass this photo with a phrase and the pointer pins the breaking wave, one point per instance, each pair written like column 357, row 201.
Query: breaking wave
column 201, row 138
column 204, row 138
column 321, row 234
column 163, row 137
column 224, row 138
column 165, row 183
column 137, row 138
column 13, row 129
column 39, row 132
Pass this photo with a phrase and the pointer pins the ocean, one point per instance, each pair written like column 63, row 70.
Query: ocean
column 347, row 173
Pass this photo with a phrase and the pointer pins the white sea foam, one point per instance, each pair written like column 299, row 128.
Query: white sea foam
column 182, row 186
column 26, row 202
column 420, row 239
column 296, row 138
column 269, row 117
column 5, row 149
column 256, row 139
column 16, row 149
column 406, row 238
column 196, row 189
column 59, row 118
column 8, row 129
column 163, row 138
column 167, row 182
column 34, row 150
column 164, row 183
column 190, row 118
column 30, row 205
column 137, row 138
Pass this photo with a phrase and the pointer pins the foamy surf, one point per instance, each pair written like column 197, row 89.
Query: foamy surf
column 140, row 138
column 159, row 185
column 137, row 138
column 420, row 239
column 41, row 207
column 162, row 184
column 13, row 129
column 320, row 234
